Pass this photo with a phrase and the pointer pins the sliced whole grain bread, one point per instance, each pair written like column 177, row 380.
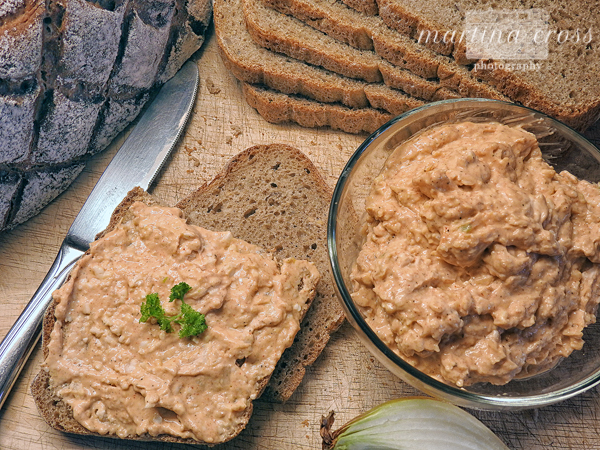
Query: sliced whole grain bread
column 397, row 60
column 278, row 108
column 52, row 408
column 254, row 64
column 284, row 34
column 365, row 6
column 573, row 96
column 369, row 32
column 564, row 85
column 268, row 195
column 348, row 104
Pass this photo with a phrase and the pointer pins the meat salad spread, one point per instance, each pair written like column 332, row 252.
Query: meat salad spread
column 128, row 378
column 480, row 262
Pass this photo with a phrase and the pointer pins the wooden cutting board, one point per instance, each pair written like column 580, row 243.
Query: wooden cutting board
column 345, row 379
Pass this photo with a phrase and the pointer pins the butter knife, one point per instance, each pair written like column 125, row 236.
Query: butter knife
column 137, row 163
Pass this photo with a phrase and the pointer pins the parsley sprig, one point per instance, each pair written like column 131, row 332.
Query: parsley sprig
column 191, row 321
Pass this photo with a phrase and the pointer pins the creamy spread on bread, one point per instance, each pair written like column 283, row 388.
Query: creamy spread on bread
column 127, row 378
column 480, row 262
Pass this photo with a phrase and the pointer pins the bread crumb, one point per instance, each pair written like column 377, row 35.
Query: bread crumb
column 306, row 423
column 210, row 85
column 237, row 131
column 195, row 161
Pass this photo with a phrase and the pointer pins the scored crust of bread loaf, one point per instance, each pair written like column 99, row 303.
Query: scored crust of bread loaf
column 274, row 197
column 74, row 74
column 249, row 165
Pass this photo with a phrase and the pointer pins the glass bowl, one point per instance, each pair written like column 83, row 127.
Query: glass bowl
column 561, row 146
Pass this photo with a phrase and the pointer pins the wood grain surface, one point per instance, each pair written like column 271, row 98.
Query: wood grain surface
column 345, row 379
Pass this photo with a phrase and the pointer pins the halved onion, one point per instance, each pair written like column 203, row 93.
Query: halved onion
column 411, row 424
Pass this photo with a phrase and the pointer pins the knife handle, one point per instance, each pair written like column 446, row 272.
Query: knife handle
column 23, row 335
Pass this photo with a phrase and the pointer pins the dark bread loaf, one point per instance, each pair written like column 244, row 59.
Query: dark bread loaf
column 253, row 214
column 73, row 75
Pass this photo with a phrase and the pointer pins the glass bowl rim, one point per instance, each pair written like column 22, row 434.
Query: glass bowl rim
column 458, row 395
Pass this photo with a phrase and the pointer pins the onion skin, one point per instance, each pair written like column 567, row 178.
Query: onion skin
column 326, row 434
column 411, row 423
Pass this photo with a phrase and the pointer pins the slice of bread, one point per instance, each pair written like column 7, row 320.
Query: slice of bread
column 284, row 89
column 254, row 64
column 288, row 218
column 276, row 107
column 365, row 6
column 274, row 197
column 53, row 410
column 572, row 97
column 292, row 37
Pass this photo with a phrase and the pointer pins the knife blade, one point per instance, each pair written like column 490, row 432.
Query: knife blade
column 137, row 163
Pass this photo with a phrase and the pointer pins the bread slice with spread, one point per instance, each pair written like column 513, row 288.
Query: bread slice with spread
column 111, row 365
column 273, row 196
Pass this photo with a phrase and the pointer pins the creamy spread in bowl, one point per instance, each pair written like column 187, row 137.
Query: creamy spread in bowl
column 127, row 378
column 480, row 261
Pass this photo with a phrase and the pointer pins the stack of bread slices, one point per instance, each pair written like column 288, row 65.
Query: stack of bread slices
column 355, row 64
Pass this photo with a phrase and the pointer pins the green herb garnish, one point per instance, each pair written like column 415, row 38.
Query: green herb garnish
column 191, row 321
column 178, row 291
column 153, row 308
